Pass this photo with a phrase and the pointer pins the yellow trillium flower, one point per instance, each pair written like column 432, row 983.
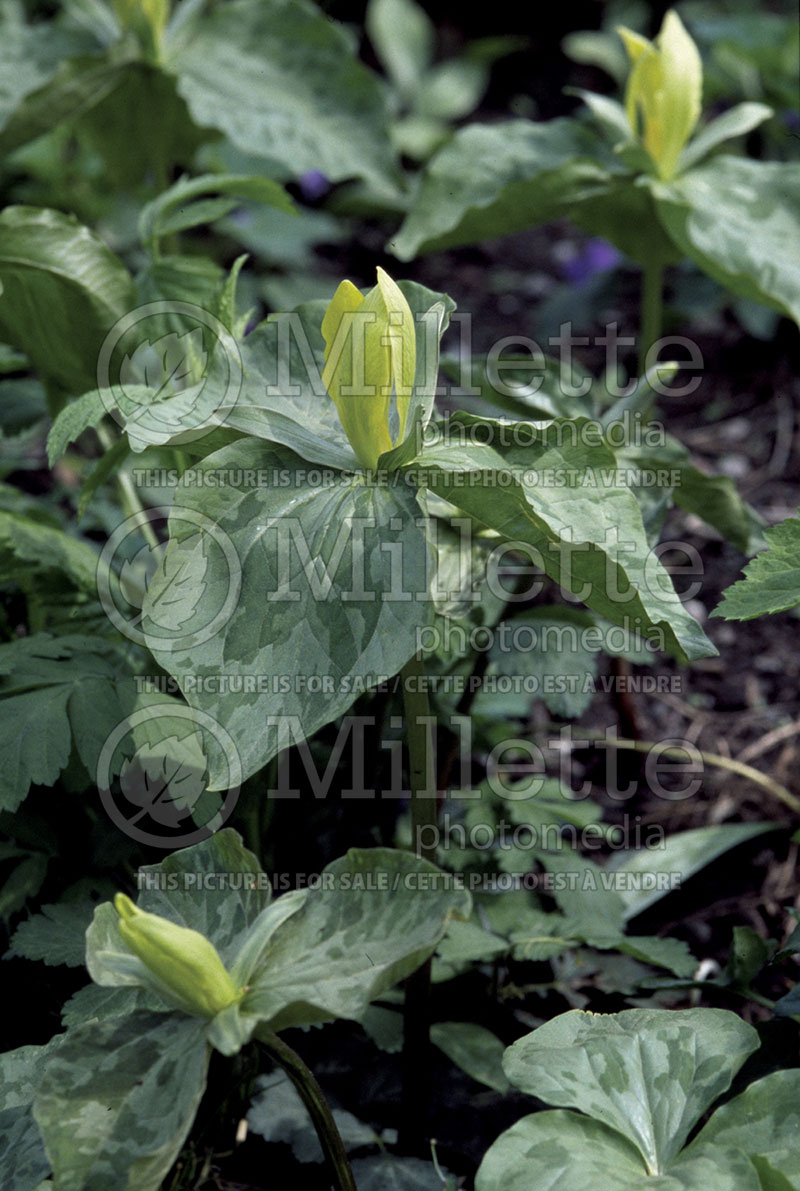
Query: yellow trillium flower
column 663, row 96
column 185, row 966
column 370, row 355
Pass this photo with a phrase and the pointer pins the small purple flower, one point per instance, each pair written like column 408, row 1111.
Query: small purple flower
column 313, row 185
column 593, row 257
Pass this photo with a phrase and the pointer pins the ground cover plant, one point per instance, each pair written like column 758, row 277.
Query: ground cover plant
column 399, row 720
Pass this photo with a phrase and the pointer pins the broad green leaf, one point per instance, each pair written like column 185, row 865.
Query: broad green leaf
column 680, row 855
column 452, row 89
column 565, row 1152
column 771, row 580
column 62, row 291
column 236, row 914
column 649, row 1074
column 763, row 1120
column 374, row 917
column 737, row 121
column 21, row 1070
column 177, row 208
column 546, row 495
column 747, row 956
column 176, row 889
column 584, row 892
column 282, row 81
column 490, row 180
column 525, row 386
column 56, row 935
column 23, row 1162
column 117, row 1099
column 715, row 500
column 126, row 110
column 474, row 1049
column 739, row 220
column 404, row 38
column 328, row 606
column 672, row 954
column 30, row 54
column 712, row 498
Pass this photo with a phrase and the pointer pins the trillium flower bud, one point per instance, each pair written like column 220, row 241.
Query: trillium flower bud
column 185, row 967
column 663, row 96
column 370, row 355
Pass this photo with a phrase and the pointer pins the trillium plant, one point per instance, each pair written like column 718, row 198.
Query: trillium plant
column 288, row 537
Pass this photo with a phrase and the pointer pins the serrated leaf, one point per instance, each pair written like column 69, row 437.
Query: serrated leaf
column 56, row 935
column 772, row 578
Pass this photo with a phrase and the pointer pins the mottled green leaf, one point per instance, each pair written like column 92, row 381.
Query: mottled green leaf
column 559, row 495
column 763, row 1120
column 649, row 1074
column 565, row 1152
column 328, row 606
column 374, row 917
column 118, row 1098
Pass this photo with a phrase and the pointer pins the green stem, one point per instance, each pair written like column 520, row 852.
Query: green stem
column 424, row 822
column 651, row 311
column 422, row 781
column 314, row 1099
column 131, row 502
